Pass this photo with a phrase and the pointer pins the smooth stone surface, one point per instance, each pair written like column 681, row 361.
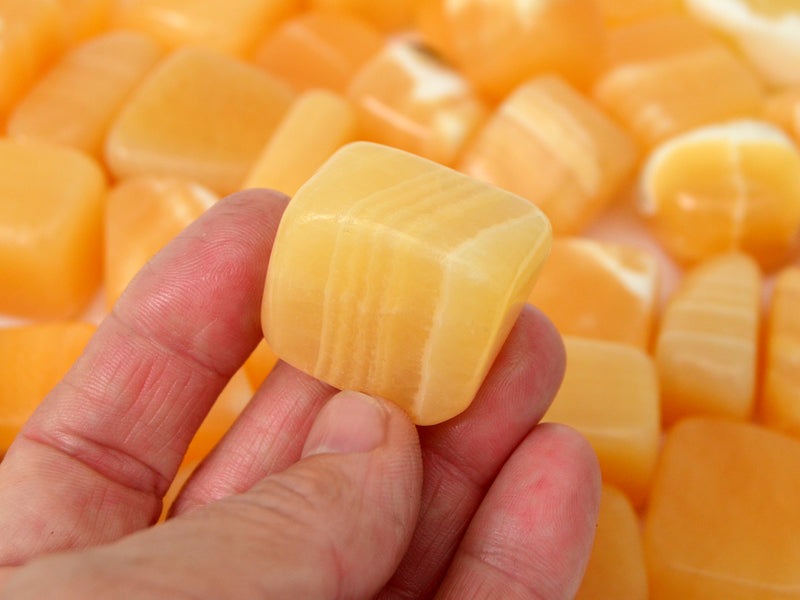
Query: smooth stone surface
column 395, row 276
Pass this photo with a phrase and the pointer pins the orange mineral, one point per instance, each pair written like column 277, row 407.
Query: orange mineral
column 599, row 290
column 33, row 358
column 706, row 349
column 549, row 144
column 86, row 18
column 229, row 27
column 406, row 98
column 259, row 364
column 610, row 395
column 722, row 521
column 782, row 107
column 199, row 115
column 143, row 214
column 780, row 399
column 616, row 567
column 30, row 37
column 498, row 45
column 317, row 124
column 51, row 213
column 732, row 186
column 319, row 50
column 665, row 76
column 395, row 276
column 76, row 101
column 624, row 12
column 389, row 15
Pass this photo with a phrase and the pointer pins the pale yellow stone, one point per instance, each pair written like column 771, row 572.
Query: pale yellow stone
column 610, row 395
column 395, row 276
column 318, row 123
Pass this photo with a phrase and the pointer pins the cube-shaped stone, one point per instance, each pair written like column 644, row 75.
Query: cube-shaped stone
column 407, row 98
column 51, row 215
column 599, row 290
column 77, row 100
column 722, row 521
column 551, row 145
column 396, row 276
column 707, row 347
column 199, row 115
column 610, row 395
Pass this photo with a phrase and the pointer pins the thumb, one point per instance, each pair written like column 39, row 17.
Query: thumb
column 334, row 525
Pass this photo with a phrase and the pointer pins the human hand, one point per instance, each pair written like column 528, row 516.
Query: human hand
column 312, row 493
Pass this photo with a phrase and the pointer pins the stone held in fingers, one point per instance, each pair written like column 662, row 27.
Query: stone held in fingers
column 395, row 276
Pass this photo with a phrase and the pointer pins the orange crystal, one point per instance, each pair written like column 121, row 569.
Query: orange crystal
column 50, row 229
column 498, row 45
column 259, row 364
column 30, row 37
column 706, row 349
column 623, row 12
column 722, row 521
column 395, row 276
column 391, row 15
column 319, row 50
column 33, row 358
column 406, row 98
column 77, row 100
column 85, row 18
column 599, row 290
column 317, row 124
column 610, row 395
column 229, row 27
column 550, row 145
column 142, row 215
column 199, row 115
column 616, row 567
column 666, row 76
column 733, row 186
column 780, row 401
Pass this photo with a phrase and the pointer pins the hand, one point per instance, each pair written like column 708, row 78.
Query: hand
column 313, row 493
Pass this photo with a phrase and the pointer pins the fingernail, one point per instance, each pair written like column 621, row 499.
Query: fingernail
column 349, row 422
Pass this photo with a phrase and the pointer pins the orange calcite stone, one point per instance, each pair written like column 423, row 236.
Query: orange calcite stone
column 259, row 364
column 498, row 45
column 550, row 145
column 30, row 36
column 396, row 14
column 86, row 18
column 199, row 115
column 783, row 109
column 181, row 477
column 616, row 567
column 666, row 76
column 406, row 98
column 76, row 101
column 319, row 50
column 722, row 521
column 395, row 276
column 706, row 349
column 734, row 186
column 599, row 290
column 219, row 419
column 610, row 395
column 780, row 400
column 50, row 229
column 229, row 27
column 623, row 12
column 33, row 358
column 143, row 214
column 317, row 124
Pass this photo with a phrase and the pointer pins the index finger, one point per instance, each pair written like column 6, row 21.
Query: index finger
column 96, row 458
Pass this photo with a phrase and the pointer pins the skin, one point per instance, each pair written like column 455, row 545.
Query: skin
column 313, row 493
